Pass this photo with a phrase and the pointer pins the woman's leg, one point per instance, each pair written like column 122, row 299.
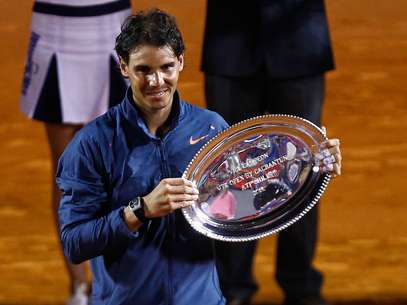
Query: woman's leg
column 59, row 135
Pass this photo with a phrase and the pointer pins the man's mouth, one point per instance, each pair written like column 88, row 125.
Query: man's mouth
column 156, row 93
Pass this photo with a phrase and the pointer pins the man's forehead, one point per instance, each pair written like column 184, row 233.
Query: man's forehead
column 149, row 51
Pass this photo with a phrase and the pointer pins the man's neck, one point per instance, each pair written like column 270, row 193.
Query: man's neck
column 158, row 122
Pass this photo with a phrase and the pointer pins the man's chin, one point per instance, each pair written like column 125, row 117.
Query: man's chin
column 159, row 104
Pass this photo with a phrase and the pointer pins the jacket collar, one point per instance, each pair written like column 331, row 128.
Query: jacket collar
column 133, row 116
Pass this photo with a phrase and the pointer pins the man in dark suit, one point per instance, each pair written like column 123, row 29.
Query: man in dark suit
column 268, row 57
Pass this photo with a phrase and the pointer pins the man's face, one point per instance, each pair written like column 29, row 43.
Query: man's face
column 153, row 73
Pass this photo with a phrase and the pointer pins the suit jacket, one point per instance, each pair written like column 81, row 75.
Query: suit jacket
column 287, row 38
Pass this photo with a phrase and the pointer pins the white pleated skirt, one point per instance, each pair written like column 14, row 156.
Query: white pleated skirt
column 81, row 50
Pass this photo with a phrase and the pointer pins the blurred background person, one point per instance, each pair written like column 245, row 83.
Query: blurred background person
column 72, row 76
column 269, row 57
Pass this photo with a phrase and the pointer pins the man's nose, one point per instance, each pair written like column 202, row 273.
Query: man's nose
column 155, row 79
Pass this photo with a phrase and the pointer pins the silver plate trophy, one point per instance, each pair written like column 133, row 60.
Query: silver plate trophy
column 256, row 178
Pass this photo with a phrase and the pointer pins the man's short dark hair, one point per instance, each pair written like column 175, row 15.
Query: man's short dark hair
column 154, row 27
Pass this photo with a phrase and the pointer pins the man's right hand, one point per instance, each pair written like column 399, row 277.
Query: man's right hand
column 169, row 195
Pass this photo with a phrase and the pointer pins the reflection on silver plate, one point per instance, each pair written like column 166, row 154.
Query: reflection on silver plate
column 256, row 178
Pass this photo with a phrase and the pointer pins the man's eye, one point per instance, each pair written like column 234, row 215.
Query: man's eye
column 167, row 66
column 142, row 69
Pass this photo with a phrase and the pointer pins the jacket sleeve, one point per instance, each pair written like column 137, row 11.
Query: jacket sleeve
column 88, row 225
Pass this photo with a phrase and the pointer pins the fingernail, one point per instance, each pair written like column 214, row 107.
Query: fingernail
column 195, row 189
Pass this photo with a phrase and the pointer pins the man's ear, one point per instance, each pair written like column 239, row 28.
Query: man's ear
column 124, row 68
column 181, row 62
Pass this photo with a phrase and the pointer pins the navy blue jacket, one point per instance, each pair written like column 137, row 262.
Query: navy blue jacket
column 285, row 38
column 111, row 161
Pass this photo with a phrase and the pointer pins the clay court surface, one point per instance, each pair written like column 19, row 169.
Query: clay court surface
column 363, row 228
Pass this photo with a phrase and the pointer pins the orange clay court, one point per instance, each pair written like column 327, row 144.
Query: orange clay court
column 363, row 229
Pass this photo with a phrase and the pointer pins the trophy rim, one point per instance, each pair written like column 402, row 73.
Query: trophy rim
column 316, row 194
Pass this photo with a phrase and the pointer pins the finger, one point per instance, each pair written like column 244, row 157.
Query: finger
column 178, row 181
column 333, row 158
column 324, row 153
column 182, row 189
column 337, row 169
column 181, row 204
column 330, row 143
column 329, row 160
column 332, row 168
column 187, row 203
column 169, row 182
column 323, row 128
column 334, row 149
column 328, row 168
column 338, row 157
column 182, row 197
column 331, row 148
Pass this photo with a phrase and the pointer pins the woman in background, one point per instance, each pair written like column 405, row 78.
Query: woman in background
column 71, row 77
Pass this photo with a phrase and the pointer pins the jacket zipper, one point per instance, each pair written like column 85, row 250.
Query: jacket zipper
column 170, row 224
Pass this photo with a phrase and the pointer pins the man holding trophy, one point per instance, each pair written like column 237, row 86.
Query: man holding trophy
column 124, row 180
